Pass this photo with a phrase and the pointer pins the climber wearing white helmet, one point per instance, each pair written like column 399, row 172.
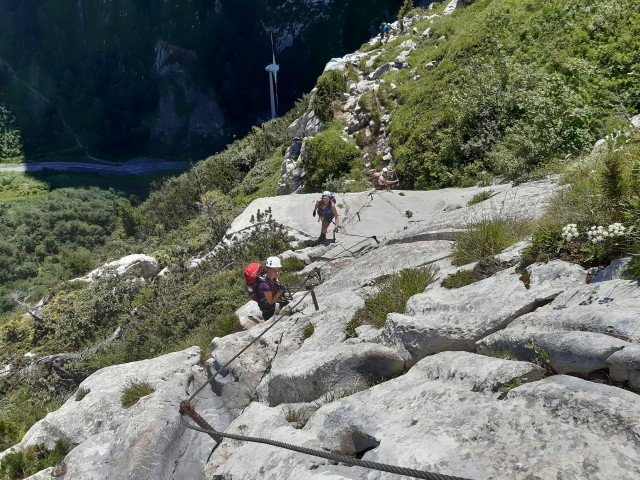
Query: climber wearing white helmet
column 326, row 210
column 269, row 289
column 384, row 180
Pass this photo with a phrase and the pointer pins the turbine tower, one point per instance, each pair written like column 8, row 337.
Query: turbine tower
column 272, row 70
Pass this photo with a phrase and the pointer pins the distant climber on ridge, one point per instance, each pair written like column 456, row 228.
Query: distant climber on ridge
column 385, row 31
column 326, row 210
column 384, row 179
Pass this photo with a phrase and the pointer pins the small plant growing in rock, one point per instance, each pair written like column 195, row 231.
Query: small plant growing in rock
column 461, row 278
column 308, row 331
column 134, row 391
column 540, row 356
column 408, row 214
column 483, row 269
column 296, row 416
column 81, row 393
column 487, row 237
column 504, row 354
column 504, row 389
column 480, row 197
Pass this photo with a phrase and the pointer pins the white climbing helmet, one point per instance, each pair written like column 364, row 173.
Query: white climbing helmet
column 385, row 170
column 273, row 262
column 327, row 193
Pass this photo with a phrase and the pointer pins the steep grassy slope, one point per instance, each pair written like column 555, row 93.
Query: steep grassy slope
column 516, row 84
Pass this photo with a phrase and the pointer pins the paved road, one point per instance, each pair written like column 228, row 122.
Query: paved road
column 132, row 167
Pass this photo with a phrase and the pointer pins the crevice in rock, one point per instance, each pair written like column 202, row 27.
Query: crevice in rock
column 362, row 443
column 425, row 237
column 530, row 307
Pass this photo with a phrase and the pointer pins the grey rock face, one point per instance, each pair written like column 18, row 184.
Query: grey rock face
column 144, row 441
column 441, row 418
column 143, row 265
column 584, row 329
column 457, row 410
column 619, row 268
column 440, row 320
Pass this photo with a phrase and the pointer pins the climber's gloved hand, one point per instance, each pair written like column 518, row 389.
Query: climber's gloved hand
column 314, row 212
column 281, row 288
column 335, row 230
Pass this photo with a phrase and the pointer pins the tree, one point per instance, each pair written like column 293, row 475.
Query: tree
column 10, row 139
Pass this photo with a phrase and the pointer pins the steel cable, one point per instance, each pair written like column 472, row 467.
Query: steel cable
column 383, row 467
column 409, row 472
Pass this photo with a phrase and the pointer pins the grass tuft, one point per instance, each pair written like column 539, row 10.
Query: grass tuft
column 81, row 393
column 392, row 295
column 308, row 331
column 487, row 238
column 134, row 391
column 480, row 197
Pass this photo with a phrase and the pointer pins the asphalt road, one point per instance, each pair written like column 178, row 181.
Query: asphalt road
column 132, row 167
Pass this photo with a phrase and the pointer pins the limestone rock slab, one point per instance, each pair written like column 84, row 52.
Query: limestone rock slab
column 455, row 319
column 307, row 376
column 558, row 427
column 143, row 441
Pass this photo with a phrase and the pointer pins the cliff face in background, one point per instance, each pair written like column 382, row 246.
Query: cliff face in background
column 118, row 78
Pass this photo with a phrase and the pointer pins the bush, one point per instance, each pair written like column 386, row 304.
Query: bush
column 20, row 409
column 10, row 139
column 329, row 86
column 595, row 218
column 329, row 155
column 32, row 459
column 391, row 295
column 506, row 95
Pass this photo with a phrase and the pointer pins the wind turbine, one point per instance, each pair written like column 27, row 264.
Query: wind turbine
column 272, row 70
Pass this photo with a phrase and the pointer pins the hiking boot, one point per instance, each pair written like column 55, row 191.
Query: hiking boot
column 322, row 237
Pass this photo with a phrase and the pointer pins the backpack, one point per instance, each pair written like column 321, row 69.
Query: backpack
column 251, row 276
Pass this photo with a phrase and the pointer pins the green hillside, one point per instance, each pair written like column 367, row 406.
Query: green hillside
column 503, row 88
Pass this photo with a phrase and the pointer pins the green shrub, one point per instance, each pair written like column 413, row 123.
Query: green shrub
column 391, row 295
column 329, row 155
column 594, row 219
column 20, row 409
column 328, row 88
column 32, row 459
column 202, row 335
column 134, row 391
column 10, row 138
column 506, row 95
